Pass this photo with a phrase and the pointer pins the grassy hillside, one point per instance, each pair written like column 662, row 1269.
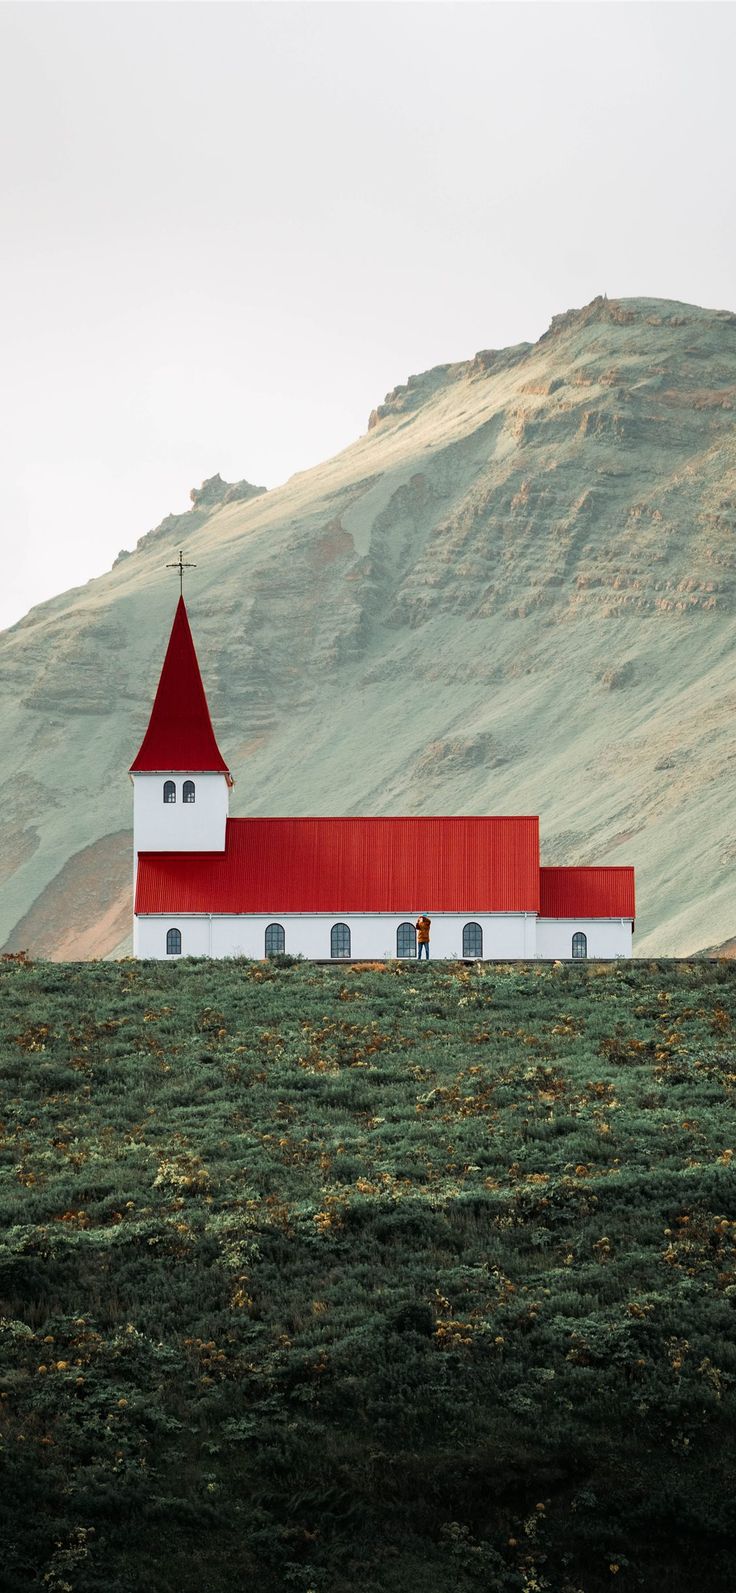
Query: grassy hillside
column 514, row 594
column 372, row 1280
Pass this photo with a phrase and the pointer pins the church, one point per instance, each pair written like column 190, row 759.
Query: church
column 207, row 885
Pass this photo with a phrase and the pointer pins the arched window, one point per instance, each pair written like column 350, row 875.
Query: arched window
column 173, row 943
column 406, row 941
column 579, row 944
column 187, row 794
column 169, row 791
column 340, row 941
column 472, row 940
column 275, row 939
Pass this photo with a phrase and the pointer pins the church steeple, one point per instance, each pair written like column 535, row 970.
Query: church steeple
column 180, row 736
column 181, row 782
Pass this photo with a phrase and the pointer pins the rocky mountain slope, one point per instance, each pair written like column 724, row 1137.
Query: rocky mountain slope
column 515, row 593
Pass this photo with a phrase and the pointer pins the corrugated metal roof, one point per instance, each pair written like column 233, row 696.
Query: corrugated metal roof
column 587, row 893
column 180, row 735
column 360, row 865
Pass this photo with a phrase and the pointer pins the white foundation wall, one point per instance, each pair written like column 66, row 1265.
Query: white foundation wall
column 372, row 937
column 607, row 937
column 179, row 826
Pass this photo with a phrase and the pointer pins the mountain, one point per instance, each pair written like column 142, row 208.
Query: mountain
column 515, row 593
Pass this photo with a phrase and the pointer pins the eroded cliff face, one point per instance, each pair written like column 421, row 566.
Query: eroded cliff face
column 514, row 594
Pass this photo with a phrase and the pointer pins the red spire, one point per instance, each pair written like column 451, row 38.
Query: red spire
column 180, row 735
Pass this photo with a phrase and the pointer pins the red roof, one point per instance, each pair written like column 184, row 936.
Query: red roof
column 587, row 893
column 180, row 735
column 351, row 865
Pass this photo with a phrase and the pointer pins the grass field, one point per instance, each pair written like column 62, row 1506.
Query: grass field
column 368, row 1280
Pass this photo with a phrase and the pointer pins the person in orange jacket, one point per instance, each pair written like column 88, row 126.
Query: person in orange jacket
column 422, row 929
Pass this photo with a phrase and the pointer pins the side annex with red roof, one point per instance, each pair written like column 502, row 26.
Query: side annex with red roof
column 347, row 887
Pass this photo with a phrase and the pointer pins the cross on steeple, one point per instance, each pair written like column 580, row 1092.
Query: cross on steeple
column 181, row 566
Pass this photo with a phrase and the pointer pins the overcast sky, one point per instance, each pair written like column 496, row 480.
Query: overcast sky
column 227, row 229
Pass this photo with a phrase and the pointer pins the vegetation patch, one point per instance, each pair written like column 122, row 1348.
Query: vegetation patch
column 374, row 1279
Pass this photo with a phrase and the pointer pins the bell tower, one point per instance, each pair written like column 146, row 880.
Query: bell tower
column 181, row 783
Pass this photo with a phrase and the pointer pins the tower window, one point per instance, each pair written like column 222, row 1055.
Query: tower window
column 275, row 939
column 173, row 943
column 169, row 791
column 472, row 940
column 340, row 940
column 187, row 794
column 406, row 941
column 579, row 944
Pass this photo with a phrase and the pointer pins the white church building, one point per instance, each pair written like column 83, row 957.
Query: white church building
column 207, row 885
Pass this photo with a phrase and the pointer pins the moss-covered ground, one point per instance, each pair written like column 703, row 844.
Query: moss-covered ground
column 368, row 1280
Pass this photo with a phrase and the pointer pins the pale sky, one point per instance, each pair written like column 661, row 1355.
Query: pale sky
column 226, row 230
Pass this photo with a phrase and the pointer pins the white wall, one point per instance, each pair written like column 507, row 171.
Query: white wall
column 197, row 826
column 373, row 936
column 505, row 935
column 607, row 937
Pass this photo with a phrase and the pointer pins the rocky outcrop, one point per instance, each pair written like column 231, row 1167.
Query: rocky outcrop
column 412, row 393
column 205, row 500
column 214, row 491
